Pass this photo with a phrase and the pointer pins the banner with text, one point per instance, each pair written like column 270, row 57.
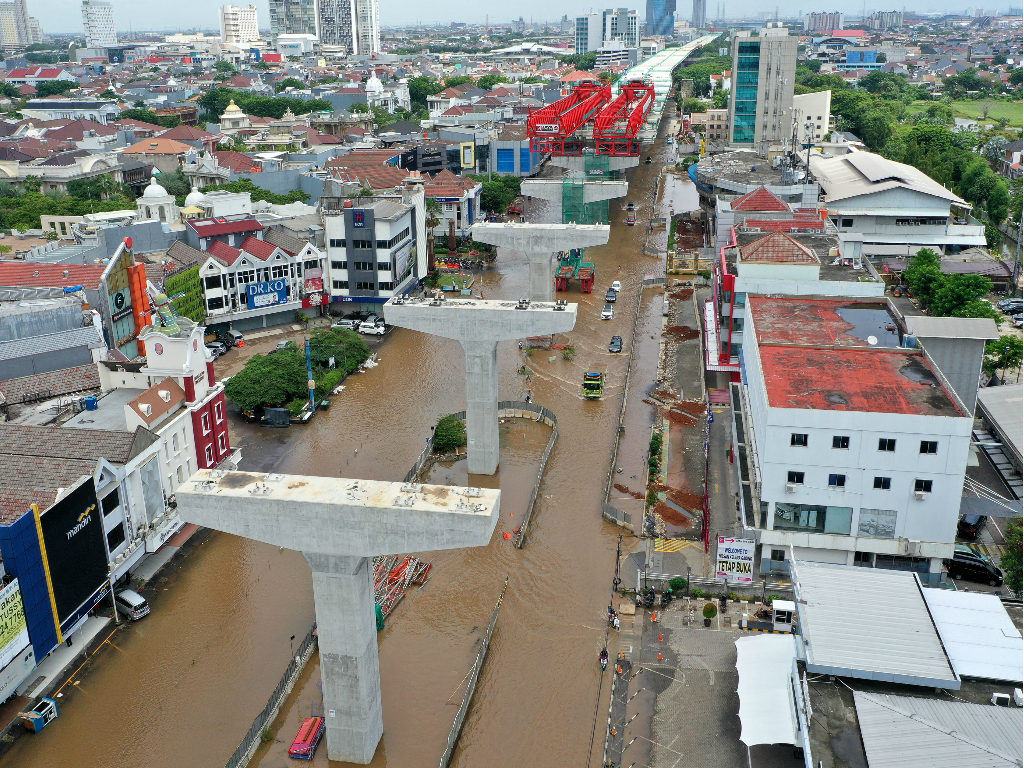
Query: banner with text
column 735, row 559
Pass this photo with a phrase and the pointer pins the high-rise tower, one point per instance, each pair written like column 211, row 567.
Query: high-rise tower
column 98, row 20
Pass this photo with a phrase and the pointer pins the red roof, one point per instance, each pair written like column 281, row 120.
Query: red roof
column 785, row 225
column 223, row 252
column 778, row 248
column 188, row 133
column 35, row 72
column 214, row 227
column 76, row 130
column 761, row 199
column 236, row 161
column 18, row 273
column 261, row 249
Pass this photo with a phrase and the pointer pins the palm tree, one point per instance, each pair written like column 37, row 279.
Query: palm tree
column 433, row 214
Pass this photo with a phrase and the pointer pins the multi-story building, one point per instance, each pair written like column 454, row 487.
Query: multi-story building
column 824, row 21
column 717, row 125
column 374, row 249
column 885, row 20
column 592, row 29
column 14, row 24
column 761, row 101
column 589, row 32
column 812, row 116
column 98, row 20
column 661, row 17
column 855, row 445
column 699, row 17
column 238, row 24
column 351, row 24
column 293, row 17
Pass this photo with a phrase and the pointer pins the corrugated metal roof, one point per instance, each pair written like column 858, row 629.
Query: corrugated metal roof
column 953, row 327
column 864, row 173
column 869, row 623
column 88, row 336
column 1002, row 405
column 977, row 633
column 910, row 732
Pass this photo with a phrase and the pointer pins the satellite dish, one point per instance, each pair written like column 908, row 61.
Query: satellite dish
column 872, row 340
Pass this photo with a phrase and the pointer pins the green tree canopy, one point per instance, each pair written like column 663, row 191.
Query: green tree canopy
column 487, row 82
column 451, row 82
column 421, row 87
column 1010, row 560
column 55, row 88
column 923, row 273
column 346, row 347
column 449, row 434
column 269, row 380
column 1003, row 354
column 692, row 105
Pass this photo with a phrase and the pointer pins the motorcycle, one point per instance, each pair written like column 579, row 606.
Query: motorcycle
column 604, row 659
column 649, row 599
column 666, row 598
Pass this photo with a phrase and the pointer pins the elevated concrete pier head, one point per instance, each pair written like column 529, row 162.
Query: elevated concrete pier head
column 339, row 525
column 479, row 326
column 542, row 242
column 552, row 190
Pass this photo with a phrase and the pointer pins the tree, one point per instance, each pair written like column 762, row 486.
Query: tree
column 495, row 196
column 288, row 82
column 269, row 380
column 346, row 347
column 582, row 61
column 998, row 202
column 432, row 209
column 960, row 296
column 421, row 87
column 359, row 108
column 382, row 117
column 54, row 88
column 449, row 434
column 224, row 67
column 10, row 91
column 1003, row 354
column 922, row 273
column 1010, row 560
column 720, row 99
column 32, row 184
column 451, row 82
column 487, row 82
column 95, row 188
column 690, row 106
column 246, row 185
column 1016, row 76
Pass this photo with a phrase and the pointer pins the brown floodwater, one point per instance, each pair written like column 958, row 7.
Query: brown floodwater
column 182, row 686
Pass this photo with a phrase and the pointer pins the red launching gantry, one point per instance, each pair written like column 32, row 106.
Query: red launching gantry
column 552, row 128
column 617, row 125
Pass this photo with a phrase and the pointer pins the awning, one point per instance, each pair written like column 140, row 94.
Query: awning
column 765, row 667
column 972, row 505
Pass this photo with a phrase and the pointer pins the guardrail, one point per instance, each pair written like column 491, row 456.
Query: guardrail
column 253, row 738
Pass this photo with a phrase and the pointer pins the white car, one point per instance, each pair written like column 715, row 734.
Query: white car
column 608, row 312
column 373, row 329
column 346, row 323
column 616, row 286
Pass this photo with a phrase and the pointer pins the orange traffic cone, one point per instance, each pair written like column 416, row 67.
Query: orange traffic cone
column 661, row 638
column 654, row 617
column 660, row 657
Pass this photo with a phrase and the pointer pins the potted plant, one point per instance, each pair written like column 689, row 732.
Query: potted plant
column 710, row 611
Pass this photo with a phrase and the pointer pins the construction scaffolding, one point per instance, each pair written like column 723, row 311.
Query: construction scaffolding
column 575, row 209
column 392, row 576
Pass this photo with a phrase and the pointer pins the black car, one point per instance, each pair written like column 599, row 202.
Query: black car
column 615, row 345
column 973, row 566
column 970, row 526
column 630, row 206
column 611, row 296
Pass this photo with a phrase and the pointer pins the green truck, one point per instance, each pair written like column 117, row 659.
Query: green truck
column 593, row 384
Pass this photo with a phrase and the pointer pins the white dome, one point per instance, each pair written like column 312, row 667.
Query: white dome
column 154, row 190
column 374, row 84
column 196, row 198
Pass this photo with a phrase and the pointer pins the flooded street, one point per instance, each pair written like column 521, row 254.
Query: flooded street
column 182, row 686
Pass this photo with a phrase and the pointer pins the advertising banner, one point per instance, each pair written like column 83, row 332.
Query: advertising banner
column 314, row 284
column 267, row 294
column 13, row 627
column 735, row 559
column 312, row 300
column 358, row 219
column 75, row 553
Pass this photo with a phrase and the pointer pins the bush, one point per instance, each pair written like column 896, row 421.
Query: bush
column 710, row 611
column 677, row 583
column 449, row 434
column 266, row 736
column 655, row 446
column 698, row 593
column 772, row 598
column 569, row 353
column 297, row 405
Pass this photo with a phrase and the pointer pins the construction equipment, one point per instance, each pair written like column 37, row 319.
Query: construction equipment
column 585, row 274
column 618, row 124
column 593, row 384
column 392, row 576
column 551, row 128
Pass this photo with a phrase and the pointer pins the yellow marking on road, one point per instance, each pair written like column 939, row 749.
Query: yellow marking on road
column 994, row 551
column 716, row 487
column 672, row 545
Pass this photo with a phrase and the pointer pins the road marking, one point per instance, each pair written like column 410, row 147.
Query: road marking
column 672, row 545
column 994, row 551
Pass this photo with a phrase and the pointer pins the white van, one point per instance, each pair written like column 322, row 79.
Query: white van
column 131, row 604
column 372, row 328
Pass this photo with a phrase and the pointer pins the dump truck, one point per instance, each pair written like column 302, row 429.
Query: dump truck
column 593, row 384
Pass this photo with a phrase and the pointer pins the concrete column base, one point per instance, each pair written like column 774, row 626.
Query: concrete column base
column 482, row 405
column 542, row 275
column 349, row 666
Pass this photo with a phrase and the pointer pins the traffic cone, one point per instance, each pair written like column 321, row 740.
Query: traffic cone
column 654, row 617
column 661, row 638
column 660, row 657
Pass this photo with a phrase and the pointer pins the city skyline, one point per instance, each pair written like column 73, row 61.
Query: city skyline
column 64, row 16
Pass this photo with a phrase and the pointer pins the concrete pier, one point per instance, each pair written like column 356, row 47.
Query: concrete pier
column 593, row 191
column 578, row 163
column 542, row 242
column 479, row 326
column 339, row 525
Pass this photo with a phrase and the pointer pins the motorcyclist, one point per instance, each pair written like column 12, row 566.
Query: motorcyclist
column 603, row 658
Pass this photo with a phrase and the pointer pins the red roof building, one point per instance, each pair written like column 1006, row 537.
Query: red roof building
column 761, row 199
column 39, row 275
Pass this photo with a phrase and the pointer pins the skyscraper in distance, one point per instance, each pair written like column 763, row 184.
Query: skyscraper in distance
column 661, row 17
column 98, row 21
column 761, row 99
column 699, row 19
column 351, row 24
column 238, row 25
column 293, row 17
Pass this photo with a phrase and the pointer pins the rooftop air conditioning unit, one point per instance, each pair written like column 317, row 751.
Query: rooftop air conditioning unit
column 1001, row 699
column 920, row 495
column 790, row 487
column 1018, row 697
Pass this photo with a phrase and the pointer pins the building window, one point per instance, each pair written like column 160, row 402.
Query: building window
column 887, row 444
column 213, row 281
column 115, row 538
column 841, row 441
column 847, row 223
column 929, row 446
column 795, row 477
column 181, row 475
column 365, row 244
column 335, row 243
column 218, row 411
column 216, row 303
column 364, row 286
column 174, row 442
column 778, row 555
column 798, row 440
column 339, row 265
column 837, row 481
column 222, row 443
column 922, row 486
column 386, row 286
column 205, row 420
column 364, row 266
column 278, row 271
column 383, row 266
column 862, row 558
column 813, row 518
column 883, row 483
column 111, row 501
column 340, row 284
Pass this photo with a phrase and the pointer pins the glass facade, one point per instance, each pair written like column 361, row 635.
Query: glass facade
column 748, row 63
column 813, row 518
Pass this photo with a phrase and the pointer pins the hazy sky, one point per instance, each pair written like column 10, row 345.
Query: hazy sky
column 66, row 15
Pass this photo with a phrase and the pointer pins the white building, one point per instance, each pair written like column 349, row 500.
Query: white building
column 98, row 20
column 15, row 23
column 353, row 25
column 592, row 29
column 813, row 110
column 374, row 248
column 856, row 447
column 897, row 208
column 827, row 22
column 238, row 24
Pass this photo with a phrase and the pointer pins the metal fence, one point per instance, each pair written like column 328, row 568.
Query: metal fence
column 617, row 516
column 252, row 739
column 460, row 718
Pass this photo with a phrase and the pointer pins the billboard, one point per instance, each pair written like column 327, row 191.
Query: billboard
column 74, row 553
column 267, row 294
column 735, row 559
column 115, row 286
column 13, row 627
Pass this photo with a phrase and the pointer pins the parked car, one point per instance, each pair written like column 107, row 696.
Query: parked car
column 230, row 338
column 283, row 344
column 973, row 566
column 348, row 323
column 630, row 206
column 1018, row 317
column 1008, row 302
column 611, row 296
column 373, row 329
column 216, row 348
column 616, row 286
column 615, row 345
column 1012, row 309
column 970, row 526
column 608, row 312
column 648, row 160
column 130, row 603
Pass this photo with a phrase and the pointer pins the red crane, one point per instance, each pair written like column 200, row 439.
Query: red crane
column 551, row 128
column 617, row 125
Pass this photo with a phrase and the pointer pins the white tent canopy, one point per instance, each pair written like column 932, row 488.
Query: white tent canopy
column 765, row 667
